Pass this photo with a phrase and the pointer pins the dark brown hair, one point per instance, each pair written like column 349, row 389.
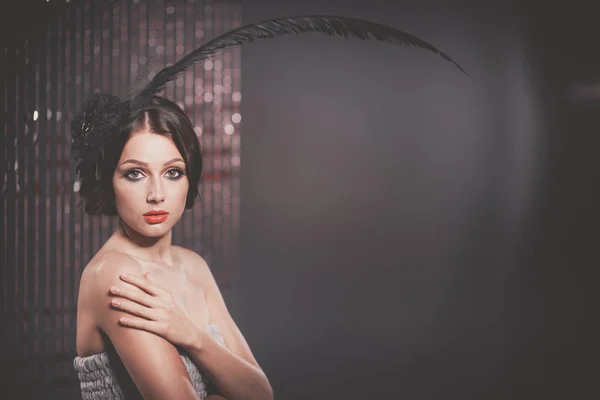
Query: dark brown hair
column 159, row 116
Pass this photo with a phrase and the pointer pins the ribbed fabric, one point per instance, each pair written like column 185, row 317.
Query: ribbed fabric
column 98, row 380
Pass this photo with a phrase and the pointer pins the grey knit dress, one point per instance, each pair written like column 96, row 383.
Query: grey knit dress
column 98, row 380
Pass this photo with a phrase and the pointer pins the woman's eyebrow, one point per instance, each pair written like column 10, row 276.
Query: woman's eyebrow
column 133, row 161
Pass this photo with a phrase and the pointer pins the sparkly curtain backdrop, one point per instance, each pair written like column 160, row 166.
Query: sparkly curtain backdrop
column 100, row 46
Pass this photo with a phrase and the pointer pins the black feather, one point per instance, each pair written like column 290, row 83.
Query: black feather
column 137, row 85
column 326, row 24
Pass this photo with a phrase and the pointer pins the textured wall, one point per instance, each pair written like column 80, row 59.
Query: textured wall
column 72, row 50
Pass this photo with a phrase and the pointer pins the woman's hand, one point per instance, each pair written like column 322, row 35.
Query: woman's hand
column 155, row 310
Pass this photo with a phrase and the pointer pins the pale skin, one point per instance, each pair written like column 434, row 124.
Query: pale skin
column 166, row 295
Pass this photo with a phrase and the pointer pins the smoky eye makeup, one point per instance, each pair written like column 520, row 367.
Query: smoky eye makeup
column 135, row 174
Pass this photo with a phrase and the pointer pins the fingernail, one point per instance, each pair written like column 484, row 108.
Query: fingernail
column 115, row 302
column 115, row 289
column 124, row 320
column 126, row 276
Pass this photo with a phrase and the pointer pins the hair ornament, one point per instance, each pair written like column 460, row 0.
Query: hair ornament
column 99, row 122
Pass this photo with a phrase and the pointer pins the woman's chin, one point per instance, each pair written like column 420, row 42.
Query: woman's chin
column 152, row 230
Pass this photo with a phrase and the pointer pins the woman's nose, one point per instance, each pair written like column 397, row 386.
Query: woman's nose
column 156, row 194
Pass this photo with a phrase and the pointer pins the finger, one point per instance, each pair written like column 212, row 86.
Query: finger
column 150, row 277
column 136, row 295
column 136, row 309
column 144, row 284
column 158, row 328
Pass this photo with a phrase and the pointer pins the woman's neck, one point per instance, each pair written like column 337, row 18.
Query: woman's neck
column 157, row 249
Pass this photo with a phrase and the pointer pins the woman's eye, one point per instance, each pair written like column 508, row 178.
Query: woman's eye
column 135, row 175
column 132, row 175
column 175, row 173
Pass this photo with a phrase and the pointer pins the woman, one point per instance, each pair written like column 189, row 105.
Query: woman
column 140, row 160
column 151, row 321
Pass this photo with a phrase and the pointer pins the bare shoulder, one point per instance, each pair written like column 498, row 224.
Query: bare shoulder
column 152, row 362
column 98, row 276
column 190, row 255
column 103, row 271
column 193, row 263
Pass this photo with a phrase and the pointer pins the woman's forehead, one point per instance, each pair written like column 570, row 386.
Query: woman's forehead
column 150, row 147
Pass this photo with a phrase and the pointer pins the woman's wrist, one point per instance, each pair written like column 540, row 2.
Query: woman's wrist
column 196, row 343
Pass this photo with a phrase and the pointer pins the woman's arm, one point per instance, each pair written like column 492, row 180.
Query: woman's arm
column 152, row 362
column 233, row 369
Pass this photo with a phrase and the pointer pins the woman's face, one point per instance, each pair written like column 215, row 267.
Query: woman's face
column 149, row 177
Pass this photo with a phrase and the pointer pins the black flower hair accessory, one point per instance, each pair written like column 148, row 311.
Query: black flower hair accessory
column 94, row 128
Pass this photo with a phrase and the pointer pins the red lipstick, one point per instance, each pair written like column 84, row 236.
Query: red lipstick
column 155, row 216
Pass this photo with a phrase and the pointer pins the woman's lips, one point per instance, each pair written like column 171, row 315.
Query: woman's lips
column 155, row 218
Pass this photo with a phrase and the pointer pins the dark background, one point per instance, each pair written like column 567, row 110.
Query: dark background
column 407, row 233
